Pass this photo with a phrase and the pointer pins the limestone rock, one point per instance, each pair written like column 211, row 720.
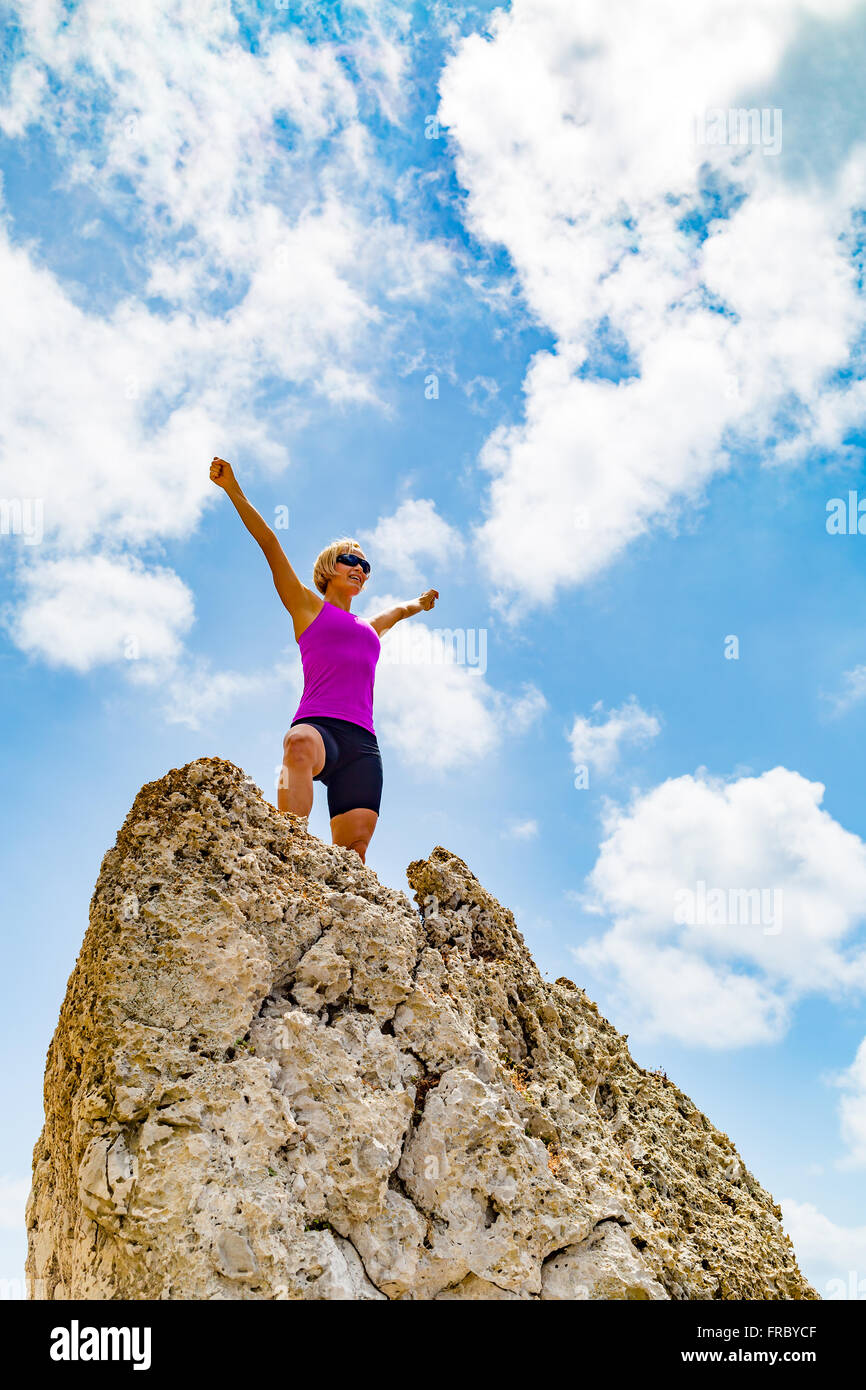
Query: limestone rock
column 605, row 1266
column 274, row 1077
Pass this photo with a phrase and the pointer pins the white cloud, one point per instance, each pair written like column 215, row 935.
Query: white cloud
column 852, row 1110
column 26, row 91
column 13, row 1197
column 521, row 830
column 789, row 886
column 597, row 745
column 439, row 719
column 575, row 139
column 277, row 258
column 196, row 694
column 84, row 611
column 838, row 1253
column 853, row 692
column 413, row 533
column 433, row 702
column 525, row 709
column 185, row 110
column 480, row 391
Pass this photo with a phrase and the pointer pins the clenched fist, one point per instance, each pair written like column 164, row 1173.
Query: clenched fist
column 221, row 474
column 428, row 599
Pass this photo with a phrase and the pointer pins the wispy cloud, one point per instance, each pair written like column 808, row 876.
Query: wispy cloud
column 597, row 742
column 852, row 1110
column 199, row 695
column 853, row 691
column 521, row 830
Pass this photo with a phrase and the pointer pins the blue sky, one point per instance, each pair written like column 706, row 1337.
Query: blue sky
column 593, row 377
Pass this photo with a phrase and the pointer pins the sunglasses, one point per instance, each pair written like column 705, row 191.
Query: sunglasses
column 354, row 560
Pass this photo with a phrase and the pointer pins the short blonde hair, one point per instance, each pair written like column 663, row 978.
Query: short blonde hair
column 325, row 567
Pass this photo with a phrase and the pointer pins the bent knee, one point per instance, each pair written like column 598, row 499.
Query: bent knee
column 300, row 747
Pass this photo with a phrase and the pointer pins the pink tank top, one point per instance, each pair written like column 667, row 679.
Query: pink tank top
column 339, row 654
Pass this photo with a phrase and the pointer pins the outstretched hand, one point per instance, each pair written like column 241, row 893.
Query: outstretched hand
column 428, row 599
column 221, row 474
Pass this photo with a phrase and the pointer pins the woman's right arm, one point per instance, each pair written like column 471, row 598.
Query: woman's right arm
column 297, row 598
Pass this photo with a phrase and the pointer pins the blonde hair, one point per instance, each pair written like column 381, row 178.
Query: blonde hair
column 325, row 567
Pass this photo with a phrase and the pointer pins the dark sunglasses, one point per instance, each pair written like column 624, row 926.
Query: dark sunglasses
column 354, row 560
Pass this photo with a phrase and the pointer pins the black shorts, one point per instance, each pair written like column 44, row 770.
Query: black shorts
column 353, row 765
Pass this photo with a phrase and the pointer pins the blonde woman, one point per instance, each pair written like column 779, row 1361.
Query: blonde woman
column 331, row 738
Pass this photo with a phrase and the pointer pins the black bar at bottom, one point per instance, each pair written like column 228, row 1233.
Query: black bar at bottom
column 152, row 1338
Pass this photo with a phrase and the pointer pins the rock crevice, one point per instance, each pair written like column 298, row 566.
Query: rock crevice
column 275, row 1077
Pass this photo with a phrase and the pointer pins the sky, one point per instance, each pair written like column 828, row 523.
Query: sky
column 557, row 308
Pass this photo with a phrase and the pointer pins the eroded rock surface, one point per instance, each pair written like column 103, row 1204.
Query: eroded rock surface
column 274, row 1077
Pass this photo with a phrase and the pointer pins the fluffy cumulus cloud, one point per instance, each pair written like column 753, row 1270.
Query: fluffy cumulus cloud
column 248, row 242
column 727, row 902
column 434, row 703
column 415, row 542
column 699, row 298
column 596, row 742
column 86, row 610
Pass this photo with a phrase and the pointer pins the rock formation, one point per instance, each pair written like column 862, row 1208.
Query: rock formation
column 272, row 1077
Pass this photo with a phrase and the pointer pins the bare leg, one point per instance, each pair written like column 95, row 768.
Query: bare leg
column 303, row 758
column 354, row 830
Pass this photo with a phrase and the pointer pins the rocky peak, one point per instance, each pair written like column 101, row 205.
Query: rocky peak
column 275, row 1077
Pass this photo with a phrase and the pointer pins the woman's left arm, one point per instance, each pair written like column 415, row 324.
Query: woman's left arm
column 404, row 610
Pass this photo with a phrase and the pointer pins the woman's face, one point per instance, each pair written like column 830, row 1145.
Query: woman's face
column 350, row 578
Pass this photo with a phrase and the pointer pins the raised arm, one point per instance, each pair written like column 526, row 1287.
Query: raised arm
column 301, row 602
column 404, row 610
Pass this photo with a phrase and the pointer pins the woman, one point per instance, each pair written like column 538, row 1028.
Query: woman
column 331, row 739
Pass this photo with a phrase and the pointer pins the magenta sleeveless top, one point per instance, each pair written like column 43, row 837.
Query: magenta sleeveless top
column 339, row 654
